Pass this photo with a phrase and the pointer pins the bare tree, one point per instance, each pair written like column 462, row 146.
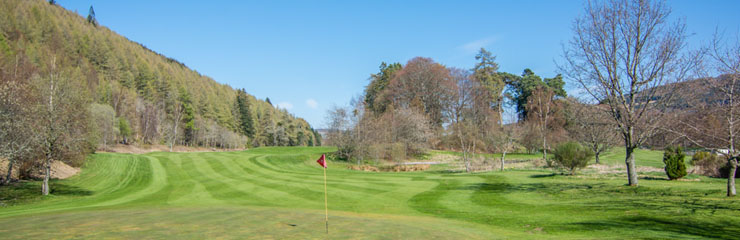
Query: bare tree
column 16, row 116
column 340, row 131
column 105, row 122
column 506, row 141
column 590, row 125
column 542, row 107
column 622, row 52
column 713, row 121
column 177, row 113
column 461, row 115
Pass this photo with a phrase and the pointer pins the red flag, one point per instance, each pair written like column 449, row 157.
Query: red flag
column 322, row 161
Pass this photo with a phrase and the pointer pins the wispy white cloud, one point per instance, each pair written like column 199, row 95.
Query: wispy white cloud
column 474, row 46
column 285, row 105
column 312, row 103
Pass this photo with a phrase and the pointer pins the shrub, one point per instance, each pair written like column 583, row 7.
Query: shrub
column 724, row 171
column 673, row 159
column 572, row 156
column 708, row 164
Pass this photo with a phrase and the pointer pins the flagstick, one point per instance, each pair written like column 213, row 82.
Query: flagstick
column 326, row 202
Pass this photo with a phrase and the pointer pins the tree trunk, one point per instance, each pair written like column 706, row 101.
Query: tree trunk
column 10, row 171
column 503, row 156
column 544, row 148
column 630, row 161
column 596, row 155
column 466, row 160
column 47, row 172
column 731, row 178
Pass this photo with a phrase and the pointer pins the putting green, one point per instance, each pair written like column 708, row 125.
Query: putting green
column 277, row 193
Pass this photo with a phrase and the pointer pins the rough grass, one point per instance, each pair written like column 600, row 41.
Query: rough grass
column 277, row 193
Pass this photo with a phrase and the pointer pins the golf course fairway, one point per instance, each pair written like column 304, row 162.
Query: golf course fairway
column 277, row 193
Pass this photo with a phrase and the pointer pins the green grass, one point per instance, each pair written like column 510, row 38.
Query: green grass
column 277, row 193
column 643, row 157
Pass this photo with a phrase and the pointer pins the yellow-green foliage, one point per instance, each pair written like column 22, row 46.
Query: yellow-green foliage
column 124, row 74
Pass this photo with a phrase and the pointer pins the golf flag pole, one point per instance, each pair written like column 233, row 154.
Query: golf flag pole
column 322, row 162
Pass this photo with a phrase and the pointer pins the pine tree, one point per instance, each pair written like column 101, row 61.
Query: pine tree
column 246, row 124
column 91, row 16
column 188, row 115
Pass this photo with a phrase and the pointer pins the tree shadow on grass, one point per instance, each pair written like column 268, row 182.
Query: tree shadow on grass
column 68, row 190
column 446, row 171
column 544, row 175
column 721, row 229
column 29, row 191
column 654, row 178
column 549, row 188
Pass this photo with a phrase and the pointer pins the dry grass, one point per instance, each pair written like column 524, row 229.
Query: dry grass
column 391, row 168
column 122, row 148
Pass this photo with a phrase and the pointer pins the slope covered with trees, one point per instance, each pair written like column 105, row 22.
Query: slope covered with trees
column 116, row 91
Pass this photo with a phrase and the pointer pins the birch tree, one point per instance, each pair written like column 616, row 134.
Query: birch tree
column 63, row 123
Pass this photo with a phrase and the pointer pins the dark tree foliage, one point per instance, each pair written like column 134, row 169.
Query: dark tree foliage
column 317, row 137
column 90, row 16
column 724, row 171
column 246, row 125
column 378, row 82
column 523, row 86
column 486, row 74
column 268, row 100
column 188, row 116
column 674, row 165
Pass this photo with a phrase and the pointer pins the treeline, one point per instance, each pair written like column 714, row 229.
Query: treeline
column 92, row 87
column 423, row 104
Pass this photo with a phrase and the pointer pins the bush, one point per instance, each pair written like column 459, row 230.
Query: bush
column 673, row 159
column 708, row 164
column 572, row 156
column 724, row 171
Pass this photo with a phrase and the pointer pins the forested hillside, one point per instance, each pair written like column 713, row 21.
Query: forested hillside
column 120, row 91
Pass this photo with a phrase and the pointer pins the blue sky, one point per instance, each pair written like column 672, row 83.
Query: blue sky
column 307, row 56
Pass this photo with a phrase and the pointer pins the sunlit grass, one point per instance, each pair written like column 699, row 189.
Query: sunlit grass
column 278, row 193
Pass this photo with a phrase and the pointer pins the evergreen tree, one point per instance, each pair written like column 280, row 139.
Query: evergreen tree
column 524, row 86
column 90, row 16
column 378, row 82
column 486, row 74
column 317, row 137
column 674, row 165
column 188, row 115
column 246, row 124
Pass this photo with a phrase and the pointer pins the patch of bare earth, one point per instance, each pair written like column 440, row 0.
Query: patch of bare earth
column 4, row 169
column 59, row 170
